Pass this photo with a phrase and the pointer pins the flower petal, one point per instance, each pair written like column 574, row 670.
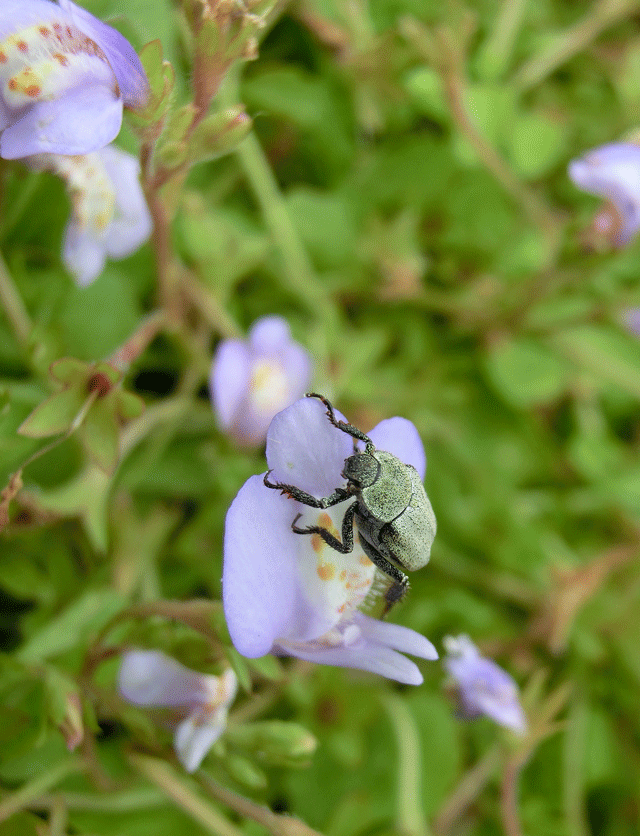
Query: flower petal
column 396, row 637
column 229, row 379
column 124, row 61
column 400, row 437
column 83, row 254
column 193, row 739
column 258, row 582
column 131, row 224
column 297, row 368
column 305, row 450
column 150, row 677
column 363, row 656
column 613, row 172
column 269, row 335
column 82, row 120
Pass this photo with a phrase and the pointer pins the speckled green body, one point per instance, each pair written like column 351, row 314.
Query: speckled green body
column 393, row 514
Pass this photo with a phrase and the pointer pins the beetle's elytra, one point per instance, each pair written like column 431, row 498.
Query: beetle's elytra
column 394, row 518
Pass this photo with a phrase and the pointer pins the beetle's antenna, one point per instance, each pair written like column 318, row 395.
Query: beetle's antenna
column 354, row 432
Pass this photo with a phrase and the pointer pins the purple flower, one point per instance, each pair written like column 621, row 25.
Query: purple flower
column 632, row 321
column 612, row 172
column 153, row 679
column 109, row 217
column 64, row 78
column 483, row 687
column 252, row 381
column 292, row 594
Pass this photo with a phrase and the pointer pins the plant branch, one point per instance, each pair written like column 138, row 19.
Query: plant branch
column 467, row 790
column 175, row 787
column 14, row 306
column 572, row 41
column 276, row 824
column 28, row 793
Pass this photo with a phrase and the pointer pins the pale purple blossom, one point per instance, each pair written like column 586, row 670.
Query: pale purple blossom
column 293, row 594
column 613, row 173
column 252, row 380
column 64, row 79
column 109, row 213
column 484, row 689
column 632, row 321
column 151, row 678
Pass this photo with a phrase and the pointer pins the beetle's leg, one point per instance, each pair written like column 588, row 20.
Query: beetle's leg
column 343, row 547
column 305, row 498
column 343, row 425
column 400, row 585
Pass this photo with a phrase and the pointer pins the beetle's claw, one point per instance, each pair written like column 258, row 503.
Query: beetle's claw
column 296, row 530
column 277, row 486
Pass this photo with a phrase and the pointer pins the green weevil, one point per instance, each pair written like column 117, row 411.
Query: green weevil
column 394, row 518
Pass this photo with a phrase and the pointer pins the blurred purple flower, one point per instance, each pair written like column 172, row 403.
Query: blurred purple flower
column 483, row 687
column 252, row 380
column 632, row 320
column 109, row 216
column 153, row 679
column 612, row 172
column 294, row 595
column 64, row 78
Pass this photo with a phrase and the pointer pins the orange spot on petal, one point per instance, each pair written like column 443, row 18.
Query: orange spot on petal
column 44, row 31
column 23, row 46
column 326, row 571
column 3, row 58
column 61, row 59
column 33, row 91
column 13, row 84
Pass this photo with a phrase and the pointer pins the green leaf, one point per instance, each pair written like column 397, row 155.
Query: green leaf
column 100, row 433
column 56, row 414
column 87, row 495
column 74, row 627
column 610, row 354
column 219, row 134
column 525, row 372
column 425, row 86
column 69, row 370
column 129, row 404
column 276, row 742
column 151, row 56
column 537, row 144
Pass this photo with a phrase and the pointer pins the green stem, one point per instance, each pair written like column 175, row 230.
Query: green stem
column 14, row 306
column 178, row 790
column 454, row 81
column 30, row 792
column 498, row 48
column 467, row 790
column 410, row 816
column 274, row 823
column 573, row 758
column 573, row 40
column 298, row 272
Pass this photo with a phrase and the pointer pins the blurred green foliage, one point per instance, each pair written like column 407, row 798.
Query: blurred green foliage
column 403, row 202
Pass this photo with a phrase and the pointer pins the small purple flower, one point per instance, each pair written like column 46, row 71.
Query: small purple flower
column 252, row 380
column 632, row 321
column 484, row 688
column 109, row 217
column 612, row 172
column 64, row 79
column 153, row 679
column 294, row 595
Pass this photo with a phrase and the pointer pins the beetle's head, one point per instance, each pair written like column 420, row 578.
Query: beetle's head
column 361, row 470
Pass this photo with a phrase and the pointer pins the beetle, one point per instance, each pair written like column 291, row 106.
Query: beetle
column 394, row 518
